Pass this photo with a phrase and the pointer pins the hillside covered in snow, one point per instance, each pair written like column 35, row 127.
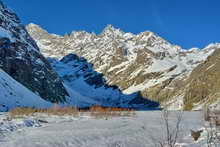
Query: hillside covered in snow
column 88, row 87
column 14, row 94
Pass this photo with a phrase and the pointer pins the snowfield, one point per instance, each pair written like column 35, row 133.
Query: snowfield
column 85, row 131
column 13, row 94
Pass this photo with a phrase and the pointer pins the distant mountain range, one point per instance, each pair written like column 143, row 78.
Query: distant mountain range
column 141, row 62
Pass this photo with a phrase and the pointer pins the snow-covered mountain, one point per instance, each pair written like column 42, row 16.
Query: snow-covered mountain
column 21, row 59
column 134, row 62
column 89, row 87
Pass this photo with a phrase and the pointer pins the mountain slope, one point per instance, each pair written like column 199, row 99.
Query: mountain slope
column 21, row 59
column 203, row 85
column 134, row 62
column 14, row 94
column 89, row 87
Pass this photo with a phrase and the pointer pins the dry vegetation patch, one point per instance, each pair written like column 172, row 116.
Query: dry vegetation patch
column 100, row 112
column 56, row 110
column 95, row 111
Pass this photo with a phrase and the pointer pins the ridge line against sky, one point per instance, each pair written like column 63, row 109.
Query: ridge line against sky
column 188, row 23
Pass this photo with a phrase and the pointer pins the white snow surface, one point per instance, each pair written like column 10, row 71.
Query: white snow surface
column 82, row 131
column 14, row 94
column 77, row 99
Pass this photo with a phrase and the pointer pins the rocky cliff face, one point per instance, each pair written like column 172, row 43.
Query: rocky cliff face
column 21, row 59
column 143, row 62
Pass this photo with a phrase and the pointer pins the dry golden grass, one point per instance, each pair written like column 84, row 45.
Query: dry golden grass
column 95, row 111
column 101, row 109
column 60, row 111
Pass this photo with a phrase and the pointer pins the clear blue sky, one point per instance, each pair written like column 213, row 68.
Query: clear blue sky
column 188, row 23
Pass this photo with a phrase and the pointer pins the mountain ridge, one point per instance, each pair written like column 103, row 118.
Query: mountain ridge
column 134, row 62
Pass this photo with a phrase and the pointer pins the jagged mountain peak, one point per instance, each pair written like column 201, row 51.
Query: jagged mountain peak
column 38, row 31
column 33, row 25
column 147, row 36
column 108, row 33
column 111, row 30
column 36, row 28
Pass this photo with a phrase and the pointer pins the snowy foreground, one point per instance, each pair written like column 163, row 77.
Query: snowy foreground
column 86, row 131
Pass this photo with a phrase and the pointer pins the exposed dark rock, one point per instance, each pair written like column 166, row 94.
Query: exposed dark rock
column 196, row 134
column 21, row 59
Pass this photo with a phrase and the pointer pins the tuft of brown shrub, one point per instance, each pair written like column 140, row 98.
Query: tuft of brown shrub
column 17, row 112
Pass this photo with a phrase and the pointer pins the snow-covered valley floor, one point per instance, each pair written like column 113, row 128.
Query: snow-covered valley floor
column 84, row 131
